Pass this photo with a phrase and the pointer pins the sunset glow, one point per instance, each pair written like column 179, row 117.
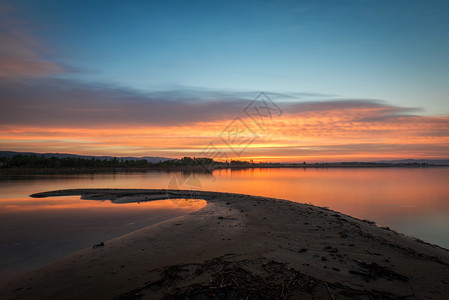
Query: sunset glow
column 312, row 136
column 56, row 98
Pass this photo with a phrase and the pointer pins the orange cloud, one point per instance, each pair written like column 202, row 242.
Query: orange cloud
column 312, row 136
column 56, row 115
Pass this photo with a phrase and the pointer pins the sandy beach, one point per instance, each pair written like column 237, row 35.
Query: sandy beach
column 242, row 247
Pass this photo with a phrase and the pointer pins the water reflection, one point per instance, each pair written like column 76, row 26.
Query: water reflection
column 35, row 231
column 412, row 201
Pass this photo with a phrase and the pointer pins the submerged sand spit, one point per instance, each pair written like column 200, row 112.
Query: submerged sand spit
column 242, row 247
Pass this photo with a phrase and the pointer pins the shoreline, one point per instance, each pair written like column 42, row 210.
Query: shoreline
column 5, row 171
column 240, row 244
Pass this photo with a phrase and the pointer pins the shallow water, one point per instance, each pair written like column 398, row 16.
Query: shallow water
column 35, row 231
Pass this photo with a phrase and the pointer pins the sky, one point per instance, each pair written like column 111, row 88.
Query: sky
column 264, row 80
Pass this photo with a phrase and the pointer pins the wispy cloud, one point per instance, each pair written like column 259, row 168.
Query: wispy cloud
column 67, row 103
column 64, row 115
column 21, row 53
column 56, row 102
column 43, row 113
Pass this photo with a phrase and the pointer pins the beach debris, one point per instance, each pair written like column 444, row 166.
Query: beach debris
column 372, row 253
column 231, row 277
column 227, row 278
column 410, row 252
column 374, row 271
column 330, row 292
column 330, row 249
column 98, row 245
column 369, row 222
column 343, row 235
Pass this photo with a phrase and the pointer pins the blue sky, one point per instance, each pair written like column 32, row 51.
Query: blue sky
column 396, row 51
column 356, row 80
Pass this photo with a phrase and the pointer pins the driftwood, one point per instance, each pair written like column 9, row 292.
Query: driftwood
column 98, row 245
column 226, row 277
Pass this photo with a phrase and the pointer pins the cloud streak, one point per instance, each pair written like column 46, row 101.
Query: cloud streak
column 21, row 54
column 42, row 113
column 55, row 115
column 56, row 102
column 66, row 103
column 63, row 115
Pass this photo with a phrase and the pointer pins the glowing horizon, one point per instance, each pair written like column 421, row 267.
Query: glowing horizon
column 352, row 82
column 304, row 136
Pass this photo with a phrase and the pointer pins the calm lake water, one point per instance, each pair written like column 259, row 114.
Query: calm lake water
column 36, row 231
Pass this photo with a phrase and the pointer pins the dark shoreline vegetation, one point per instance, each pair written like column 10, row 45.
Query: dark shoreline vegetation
column 39, row 163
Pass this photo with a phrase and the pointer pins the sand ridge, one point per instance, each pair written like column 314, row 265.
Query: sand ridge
column 242, row 246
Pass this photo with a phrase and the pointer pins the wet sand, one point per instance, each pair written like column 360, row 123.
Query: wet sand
column 241, row 246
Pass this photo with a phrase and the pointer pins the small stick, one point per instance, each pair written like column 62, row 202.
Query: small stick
column 332, row 295
column 235, row 282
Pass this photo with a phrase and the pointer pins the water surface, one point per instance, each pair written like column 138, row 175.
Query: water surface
column 35, row 231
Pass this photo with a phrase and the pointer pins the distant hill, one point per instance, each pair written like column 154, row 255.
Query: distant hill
column 152, row 159
column 417, row 161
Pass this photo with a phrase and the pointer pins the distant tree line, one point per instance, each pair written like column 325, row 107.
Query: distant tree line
column 40, row 161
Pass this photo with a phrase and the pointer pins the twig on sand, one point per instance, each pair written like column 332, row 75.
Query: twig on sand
column 330, row 292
